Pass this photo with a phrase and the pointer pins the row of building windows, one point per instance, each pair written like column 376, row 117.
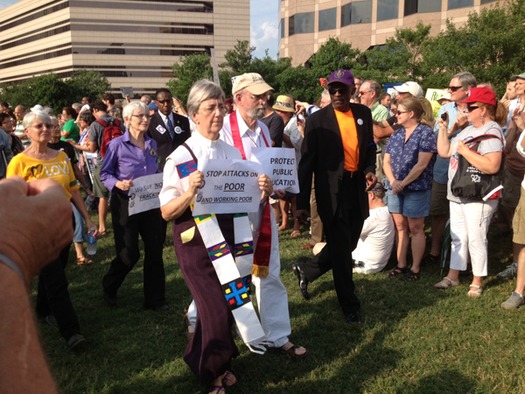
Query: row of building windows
column 114, row 49
column 172, row 28
column 45, row 10
column 358, row 12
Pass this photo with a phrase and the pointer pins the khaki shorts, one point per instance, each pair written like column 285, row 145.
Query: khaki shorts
column 518, row 221
column 99, row 190
column 511, row 190
column 439, row 205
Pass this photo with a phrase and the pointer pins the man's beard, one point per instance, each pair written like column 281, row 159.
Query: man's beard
column 258, row 113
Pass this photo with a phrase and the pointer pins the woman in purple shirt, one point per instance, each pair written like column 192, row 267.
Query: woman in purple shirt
column 128, row 157
column 408, row 163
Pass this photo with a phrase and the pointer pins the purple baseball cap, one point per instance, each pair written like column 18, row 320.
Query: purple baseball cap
column 342, row 76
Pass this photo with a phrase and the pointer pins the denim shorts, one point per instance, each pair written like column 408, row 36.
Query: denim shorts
column 412, row 204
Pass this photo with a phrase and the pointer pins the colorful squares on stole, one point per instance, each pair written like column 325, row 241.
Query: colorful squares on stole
column 236, row 293
column 186, row 168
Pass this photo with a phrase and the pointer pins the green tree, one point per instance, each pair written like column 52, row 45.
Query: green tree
column 333, row 55
column 185, row 73
column 489, row 45
column 89, row 83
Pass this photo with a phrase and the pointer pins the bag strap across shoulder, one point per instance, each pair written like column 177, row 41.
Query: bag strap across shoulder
column 481, row 138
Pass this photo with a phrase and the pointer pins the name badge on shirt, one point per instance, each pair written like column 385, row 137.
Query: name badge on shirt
column 161, row 129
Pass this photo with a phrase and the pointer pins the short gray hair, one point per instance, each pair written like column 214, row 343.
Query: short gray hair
column 467, row 80
column 131, row 107
column 30, row 117
column 203, row 90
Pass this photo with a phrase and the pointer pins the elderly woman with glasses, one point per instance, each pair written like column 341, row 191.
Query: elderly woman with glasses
column 470, row 217
column 128, row 157
column 39, row 161
column 211, row 350
column 408, row 163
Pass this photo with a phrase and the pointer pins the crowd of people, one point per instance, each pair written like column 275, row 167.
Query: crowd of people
column 372, row 166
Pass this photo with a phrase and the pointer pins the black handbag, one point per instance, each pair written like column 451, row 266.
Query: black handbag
column 469, row 182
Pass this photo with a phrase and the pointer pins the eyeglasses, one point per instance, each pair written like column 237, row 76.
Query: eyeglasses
column 213, row 108
column 164, row 102
column 454, row 88
column 401, row 112
column 341, row 90
column 257, row 97
column 471, row 108
column 362, row 93
column 143, row 116
column 42, row 125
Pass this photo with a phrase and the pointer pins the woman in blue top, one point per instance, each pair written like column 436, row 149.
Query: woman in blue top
column 408, row 165
column 128, row 157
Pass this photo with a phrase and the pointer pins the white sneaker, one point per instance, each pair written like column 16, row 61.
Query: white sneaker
column 514, row 301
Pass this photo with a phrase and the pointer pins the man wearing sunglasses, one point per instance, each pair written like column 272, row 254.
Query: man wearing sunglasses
column 167, row 128
column 458, row 88
column 339, row 149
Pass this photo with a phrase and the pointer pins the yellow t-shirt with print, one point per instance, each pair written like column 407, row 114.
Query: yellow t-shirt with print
column 58, row 169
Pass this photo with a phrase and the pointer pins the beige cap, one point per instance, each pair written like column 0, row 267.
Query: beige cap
column 284, row 103
column 252, row 82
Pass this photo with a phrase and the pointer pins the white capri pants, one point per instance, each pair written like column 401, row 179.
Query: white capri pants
column 469, row 224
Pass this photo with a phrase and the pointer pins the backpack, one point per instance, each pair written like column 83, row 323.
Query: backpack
column 111, row 130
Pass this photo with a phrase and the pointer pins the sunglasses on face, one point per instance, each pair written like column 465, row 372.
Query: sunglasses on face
column 334, row 90
column 471, row 108
column 454, row 88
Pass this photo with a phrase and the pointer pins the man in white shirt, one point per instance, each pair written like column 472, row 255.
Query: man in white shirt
column 243, row 130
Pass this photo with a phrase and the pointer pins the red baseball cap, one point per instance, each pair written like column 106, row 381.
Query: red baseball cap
column 483, row 95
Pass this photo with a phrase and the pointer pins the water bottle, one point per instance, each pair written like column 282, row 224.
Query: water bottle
column 91, row 243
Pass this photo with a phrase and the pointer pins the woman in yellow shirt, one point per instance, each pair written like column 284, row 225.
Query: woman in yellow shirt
column 37, row 161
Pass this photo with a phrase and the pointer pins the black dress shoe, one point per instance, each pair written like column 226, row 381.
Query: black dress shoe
column 111, row 301
column 302, row 281
column 158, row 308
column 353, row 317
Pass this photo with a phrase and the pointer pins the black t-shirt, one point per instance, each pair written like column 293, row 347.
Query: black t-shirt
column 67, row 148
column 275, row 125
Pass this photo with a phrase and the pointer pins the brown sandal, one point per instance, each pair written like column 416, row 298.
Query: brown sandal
column 84, row 261
column 292, row 351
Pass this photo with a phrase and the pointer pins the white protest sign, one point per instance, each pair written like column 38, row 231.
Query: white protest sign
column 280, row 165
column 144, row 194
column 230, row 186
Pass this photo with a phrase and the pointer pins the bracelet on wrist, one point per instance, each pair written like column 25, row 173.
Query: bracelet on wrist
column 11, row 264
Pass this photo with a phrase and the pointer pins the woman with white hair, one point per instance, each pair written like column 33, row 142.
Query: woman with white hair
column 130, row 156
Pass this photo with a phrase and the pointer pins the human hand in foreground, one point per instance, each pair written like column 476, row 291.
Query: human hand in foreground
column 36, row 223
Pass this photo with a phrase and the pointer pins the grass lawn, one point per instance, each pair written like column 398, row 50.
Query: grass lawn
column 413, row 338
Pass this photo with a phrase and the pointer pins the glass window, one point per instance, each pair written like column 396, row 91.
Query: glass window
column 301, row 23
column 487, row 1
column 327, row 19
column 356, row 12
column 453, row 4
column 387, row 9
column 415, row 6
column 281, row 28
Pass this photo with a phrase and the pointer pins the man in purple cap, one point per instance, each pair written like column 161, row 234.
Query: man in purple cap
column 339, row 149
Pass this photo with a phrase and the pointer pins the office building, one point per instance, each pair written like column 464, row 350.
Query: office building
column 134, row 43
column 306, row 24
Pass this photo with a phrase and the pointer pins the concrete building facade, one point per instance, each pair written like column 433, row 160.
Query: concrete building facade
column 134, row 43
column 305, row 25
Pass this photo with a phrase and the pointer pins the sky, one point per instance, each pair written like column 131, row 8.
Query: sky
column 264, row 23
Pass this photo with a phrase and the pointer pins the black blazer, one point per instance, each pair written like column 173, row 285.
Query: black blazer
column 159, row 132
column 323, row 155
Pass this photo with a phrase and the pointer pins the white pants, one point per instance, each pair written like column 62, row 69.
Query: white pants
column 272, row 299
column 469, row 224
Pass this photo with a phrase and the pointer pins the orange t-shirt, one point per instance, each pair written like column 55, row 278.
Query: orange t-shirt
column 348, row 129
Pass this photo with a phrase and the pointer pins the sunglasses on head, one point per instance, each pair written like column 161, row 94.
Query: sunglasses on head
column 341, row 90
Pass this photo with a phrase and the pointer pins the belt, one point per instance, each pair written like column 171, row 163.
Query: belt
column 350, row 174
